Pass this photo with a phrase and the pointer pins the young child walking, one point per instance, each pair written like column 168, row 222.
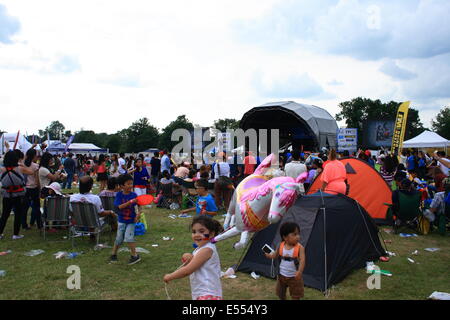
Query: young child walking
column 203, row 265
column 292, row 262
column 125, row 203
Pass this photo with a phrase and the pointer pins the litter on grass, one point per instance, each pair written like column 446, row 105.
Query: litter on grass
column 138, row 249
column 154, row 245
column 407, row 235
column 4, row 253
column 389, row 231
column 60, row 254
column 2, row 273
column 167, row 238
column 415, row 253
column 184, row 215
column 431, row 249
column 102, row 246
column 172, row 216
column 254, row 275
column 391, row 254
column 411, row 260
column 33, row 253
column 439, row 296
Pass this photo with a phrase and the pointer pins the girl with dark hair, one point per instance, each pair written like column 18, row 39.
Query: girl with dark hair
column 203, row 265
column 100, row 169
column 32, row 191
column 13, row 192
column 45, row 175
column 140, row 177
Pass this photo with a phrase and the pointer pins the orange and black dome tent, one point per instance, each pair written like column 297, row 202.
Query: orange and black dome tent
column 367, row 187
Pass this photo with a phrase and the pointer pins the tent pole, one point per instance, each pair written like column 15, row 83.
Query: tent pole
column 324, row 242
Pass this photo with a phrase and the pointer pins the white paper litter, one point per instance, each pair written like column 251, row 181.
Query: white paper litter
column 167, row 238
column 154, row 245
column 60, row 254
column 138, row 249
column 432, row 250
column 411, row 260
column 391, row 254
column 436, row 295
column 33, row 253
column 254, row 275
column 415, row 252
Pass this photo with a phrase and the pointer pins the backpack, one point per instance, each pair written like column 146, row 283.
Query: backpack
column 13, row 183
column 295, row 254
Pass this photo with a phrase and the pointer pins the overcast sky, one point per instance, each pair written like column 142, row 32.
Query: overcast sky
column 102, row 64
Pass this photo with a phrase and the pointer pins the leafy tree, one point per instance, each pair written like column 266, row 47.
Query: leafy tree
column 141, row 135
column 114, row 143
column 442, row 123
column 55, row 130
column 181, row 122
column 224, row 124
column 359, row 110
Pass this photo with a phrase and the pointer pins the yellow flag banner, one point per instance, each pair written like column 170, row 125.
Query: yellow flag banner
column 400, row 128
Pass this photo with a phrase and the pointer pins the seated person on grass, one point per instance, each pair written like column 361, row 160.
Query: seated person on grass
column 205, row 203
column 86, row 196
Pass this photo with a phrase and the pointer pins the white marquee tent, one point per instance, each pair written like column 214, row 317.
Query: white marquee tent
column 22, row 143
column 427, row 139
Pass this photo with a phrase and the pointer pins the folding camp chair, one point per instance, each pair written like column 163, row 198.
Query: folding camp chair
column 189, row 192
column 56, row 210
column 409, row 211
column 86, row 221
column 107, row 203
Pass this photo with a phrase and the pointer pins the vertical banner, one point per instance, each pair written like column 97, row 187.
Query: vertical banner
column 399, row 128
column 69, row 142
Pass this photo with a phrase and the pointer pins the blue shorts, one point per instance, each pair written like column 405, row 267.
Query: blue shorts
column 125, row 233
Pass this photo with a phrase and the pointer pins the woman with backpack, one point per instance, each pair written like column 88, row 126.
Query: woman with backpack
column 13, row 192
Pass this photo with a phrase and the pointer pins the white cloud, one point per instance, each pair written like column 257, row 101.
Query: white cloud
column 103, row 64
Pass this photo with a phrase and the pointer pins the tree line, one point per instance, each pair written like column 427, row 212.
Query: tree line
column 141, row 134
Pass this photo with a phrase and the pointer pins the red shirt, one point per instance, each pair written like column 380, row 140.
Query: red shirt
column 249, row 165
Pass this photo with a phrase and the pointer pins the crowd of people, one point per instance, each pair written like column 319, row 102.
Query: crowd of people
column 28, row 178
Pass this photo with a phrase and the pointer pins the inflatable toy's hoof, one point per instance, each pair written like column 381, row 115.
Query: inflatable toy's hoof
column 238, row 246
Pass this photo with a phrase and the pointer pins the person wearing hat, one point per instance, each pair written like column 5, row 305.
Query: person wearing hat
column 440, row 201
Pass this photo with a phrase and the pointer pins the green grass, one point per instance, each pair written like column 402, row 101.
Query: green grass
column 44, row 277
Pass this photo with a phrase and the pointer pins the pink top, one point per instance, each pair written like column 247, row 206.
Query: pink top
column 334, row 174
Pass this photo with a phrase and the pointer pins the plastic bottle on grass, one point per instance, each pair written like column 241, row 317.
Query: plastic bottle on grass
column 2, row 273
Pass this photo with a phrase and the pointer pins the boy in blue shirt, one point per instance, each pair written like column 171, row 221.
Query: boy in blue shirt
column 125, row 204
column 205, row 202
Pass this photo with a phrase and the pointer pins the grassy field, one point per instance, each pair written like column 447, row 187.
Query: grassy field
column 44, row 277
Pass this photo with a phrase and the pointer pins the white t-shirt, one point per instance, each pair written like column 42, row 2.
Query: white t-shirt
column 89, row 198
column 287, row 268
column 43, row 179
column 122, row 163
column 206, row 280
column 443, row 168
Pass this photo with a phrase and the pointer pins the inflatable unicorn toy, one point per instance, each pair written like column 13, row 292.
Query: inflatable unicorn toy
column 259, row 200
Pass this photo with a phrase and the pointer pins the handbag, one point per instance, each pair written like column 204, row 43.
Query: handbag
column 223, row 181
